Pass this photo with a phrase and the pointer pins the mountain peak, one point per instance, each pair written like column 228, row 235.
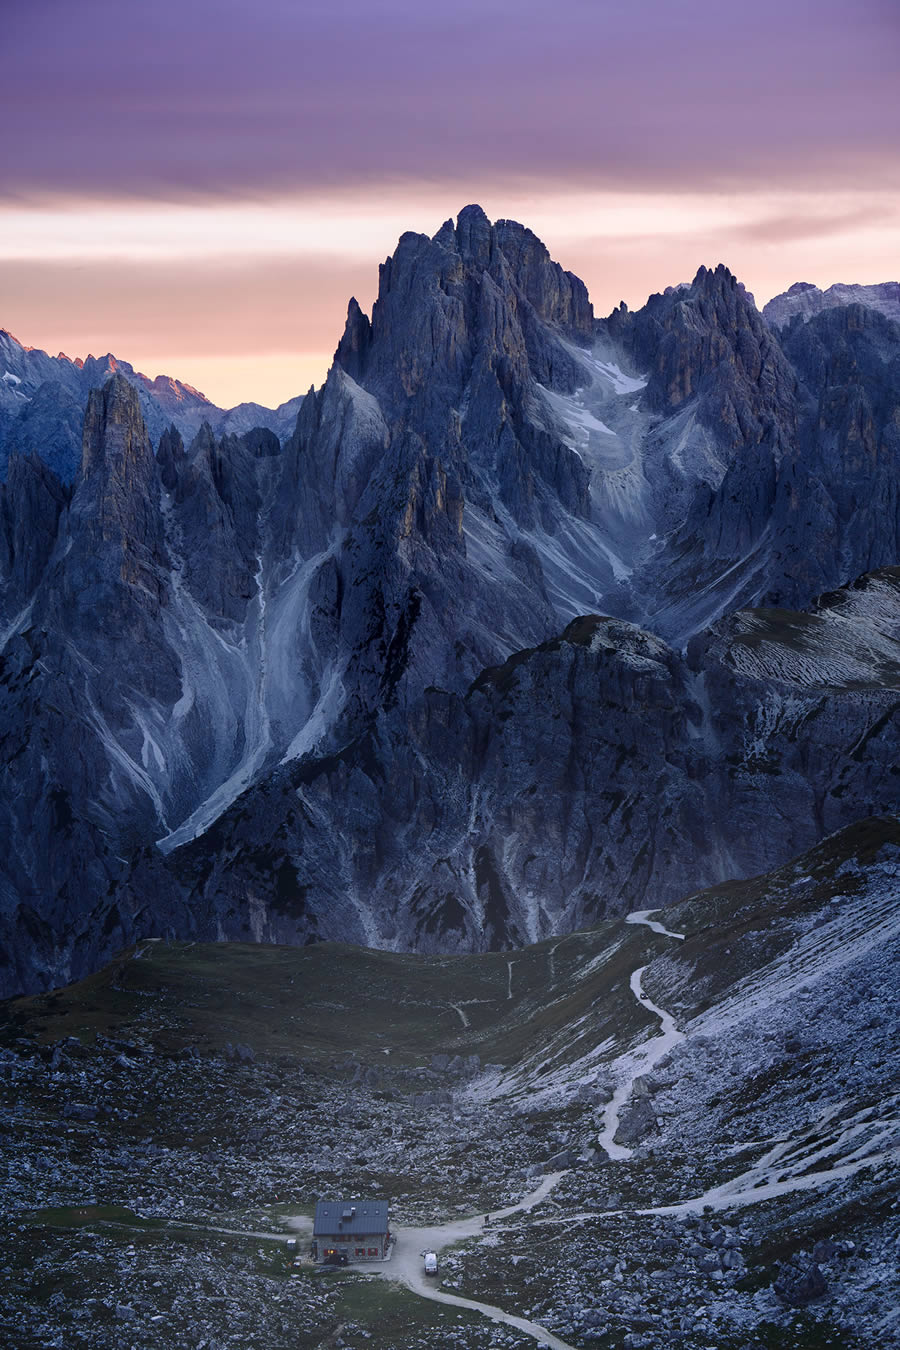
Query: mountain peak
column 355, row 340
column 719, row 279
column 114, row 431
column 473, row 213
column 475, row 290
column 474, row 235
column 709, row 341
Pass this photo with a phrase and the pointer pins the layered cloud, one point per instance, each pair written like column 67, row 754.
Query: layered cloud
column 219, row 96
column 205, row 182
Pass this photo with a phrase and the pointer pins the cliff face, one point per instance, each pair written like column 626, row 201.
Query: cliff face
column 838, row 511
column 357, row 685
column 800, row 492
column 571, row 782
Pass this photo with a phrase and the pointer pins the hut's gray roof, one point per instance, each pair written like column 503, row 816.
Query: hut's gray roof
column 351, row 1217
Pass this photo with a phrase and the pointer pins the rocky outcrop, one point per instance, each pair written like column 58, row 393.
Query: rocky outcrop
column 809, row 502
column 86, row 647
column 111, row 580
column 122, row 702
column 48, row 424
column 728, row 399
column 838, row 499
column 170, row 456
column 31, row 502
column 708, row 342
column 216, row 516
column 462, row 326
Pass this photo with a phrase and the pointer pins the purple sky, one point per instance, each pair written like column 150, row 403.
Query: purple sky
column 788, row 111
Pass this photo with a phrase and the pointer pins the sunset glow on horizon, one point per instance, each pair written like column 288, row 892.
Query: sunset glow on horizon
column 209, row 217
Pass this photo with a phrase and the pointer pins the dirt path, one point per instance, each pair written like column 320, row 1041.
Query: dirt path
column 533, row 1329
column 299, row 1226
column 636, row 1063
column 406, row 1265
column 642, row 916
column 639, row 1061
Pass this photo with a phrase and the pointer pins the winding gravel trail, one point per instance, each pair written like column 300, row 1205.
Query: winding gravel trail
column 638, row 1063
column 642, row 1060
column 641, row 916
column 406, row 1267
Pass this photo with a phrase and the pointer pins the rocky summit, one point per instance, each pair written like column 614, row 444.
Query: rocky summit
column 480, row 794
column 532, row 619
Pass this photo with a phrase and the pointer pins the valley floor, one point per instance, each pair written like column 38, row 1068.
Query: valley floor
column 684, row 1138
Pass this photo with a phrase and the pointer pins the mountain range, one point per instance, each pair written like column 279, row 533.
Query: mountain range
column 43, row 400
column 532, row 618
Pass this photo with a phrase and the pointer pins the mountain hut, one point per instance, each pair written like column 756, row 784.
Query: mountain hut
column 355, row 1229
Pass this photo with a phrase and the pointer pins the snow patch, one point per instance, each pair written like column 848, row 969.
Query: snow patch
column 328, row 705
column 16, row 625
column 622, row 383
column 579, row 419
column 607, row 371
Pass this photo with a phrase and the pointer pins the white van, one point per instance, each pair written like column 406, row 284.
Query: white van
column 430, row 1263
